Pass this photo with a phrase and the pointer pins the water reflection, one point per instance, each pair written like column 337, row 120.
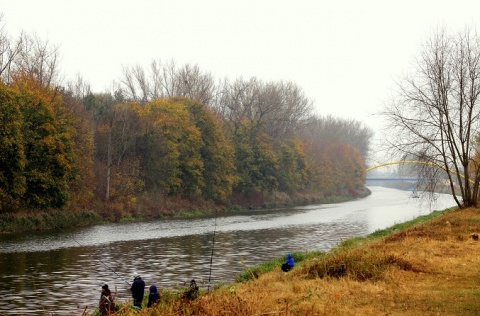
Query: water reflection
column 63, row 271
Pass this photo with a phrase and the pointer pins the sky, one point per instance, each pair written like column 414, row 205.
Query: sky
column 345, row 55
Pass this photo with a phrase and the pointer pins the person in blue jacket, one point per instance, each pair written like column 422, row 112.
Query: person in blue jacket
column 138, row 289
column 289, row 263
column 154, row 296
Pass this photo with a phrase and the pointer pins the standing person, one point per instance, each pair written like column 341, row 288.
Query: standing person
column 154, row 296
column 106, row 305
column 138, row 289
column 289, row 263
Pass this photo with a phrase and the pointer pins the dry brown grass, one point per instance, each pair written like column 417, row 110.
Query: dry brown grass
column 430, row 269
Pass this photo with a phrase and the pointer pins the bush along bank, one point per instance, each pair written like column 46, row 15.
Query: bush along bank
column 46, row 220
column 163, row 207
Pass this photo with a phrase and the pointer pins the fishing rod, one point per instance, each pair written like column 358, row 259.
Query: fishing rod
column 99, row 260
column 211, row 256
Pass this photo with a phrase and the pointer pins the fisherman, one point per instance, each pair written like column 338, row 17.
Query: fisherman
column 106, row 306
column 138, row 289
column 192, row 291
column 288, row 264
column 154, row 296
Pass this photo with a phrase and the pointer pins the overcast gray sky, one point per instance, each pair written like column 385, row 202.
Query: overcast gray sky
column 345, row 55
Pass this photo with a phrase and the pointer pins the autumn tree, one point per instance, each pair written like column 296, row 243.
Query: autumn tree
column 116, row 126
column 84, row 186
column 322, row 176
column 12, row 154
column 100, row 108
column 48, row 146
column 256, row 162
column 293, row 170
column 348, row 167
column 29, row 66
column 170, row 149
column 216, row 152
column 336, row 150
column 435, row 114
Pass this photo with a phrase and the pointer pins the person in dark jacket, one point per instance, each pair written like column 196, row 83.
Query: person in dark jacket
column 154, row 296
column 106, row 305
column 138, row 289
column 289, row 263
column 192, row 291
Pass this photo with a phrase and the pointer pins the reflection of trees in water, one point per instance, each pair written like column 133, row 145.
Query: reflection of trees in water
column 42, row 279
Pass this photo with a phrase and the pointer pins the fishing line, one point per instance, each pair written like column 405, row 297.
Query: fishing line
column 99, row 260
column 211, row 256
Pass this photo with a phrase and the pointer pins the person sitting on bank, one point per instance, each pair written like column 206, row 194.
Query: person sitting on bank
column 154, row 296
column 106, row 306
column 138, row 289
column 289, row 263
column 192, row 291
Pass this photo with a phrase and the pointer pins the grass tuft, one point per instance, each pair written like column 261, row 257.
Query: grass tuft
column 358, row 265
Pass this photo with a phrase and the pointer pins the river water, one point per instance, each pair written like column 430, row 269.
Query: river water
column 61, row 272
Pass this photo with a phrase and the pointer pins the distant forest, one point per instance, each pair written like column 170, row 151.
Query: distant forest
column 165, row 137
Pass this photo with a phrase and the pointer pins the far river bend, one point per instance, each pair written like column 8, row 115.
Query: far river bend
column 61, row 272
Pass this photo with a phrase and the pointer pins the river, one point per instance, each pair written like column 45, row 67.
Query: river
column 61, row 272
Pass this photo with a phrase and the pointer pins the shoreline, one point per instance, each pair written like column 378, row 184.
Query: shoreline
column 25, row 222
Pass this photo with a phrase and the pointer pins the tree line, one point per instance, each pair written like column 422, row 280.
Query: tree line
column 163, row 133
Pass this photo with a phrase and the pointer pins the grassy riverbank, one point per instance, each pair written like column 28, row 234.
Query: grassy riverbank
column 428, row 266
column 45, row 220
column 164, row 207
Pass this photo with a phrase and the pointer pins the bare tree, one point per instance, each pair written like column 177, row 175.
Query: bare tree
column 277, row 108
column 9, row 49
column 327, row 130
column 290, row 109
column 37, row 59
column 435, row 114
column 167, row 78
column 167, row 81
column 79, row 88
column 130, row 83
column 236, row 101
column 194, row 84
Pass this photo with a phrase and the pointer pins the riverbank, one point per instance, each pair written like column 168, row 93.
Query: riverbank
column 163, row 208
column 428, row 266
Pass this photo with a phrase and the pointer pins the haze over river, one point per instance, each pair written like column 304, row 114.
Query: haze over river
column 62, row 272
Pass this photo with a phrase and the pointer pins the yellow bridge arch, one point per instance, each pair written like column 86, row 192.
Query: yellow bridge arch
column 418, row 162
column 400, row 162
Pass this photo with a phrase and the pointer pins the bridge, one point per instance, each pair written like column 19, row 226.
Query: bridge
column 406, row 183
column 411, row 182
column 397, row 179
column 400, row 162
column 418, row 162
